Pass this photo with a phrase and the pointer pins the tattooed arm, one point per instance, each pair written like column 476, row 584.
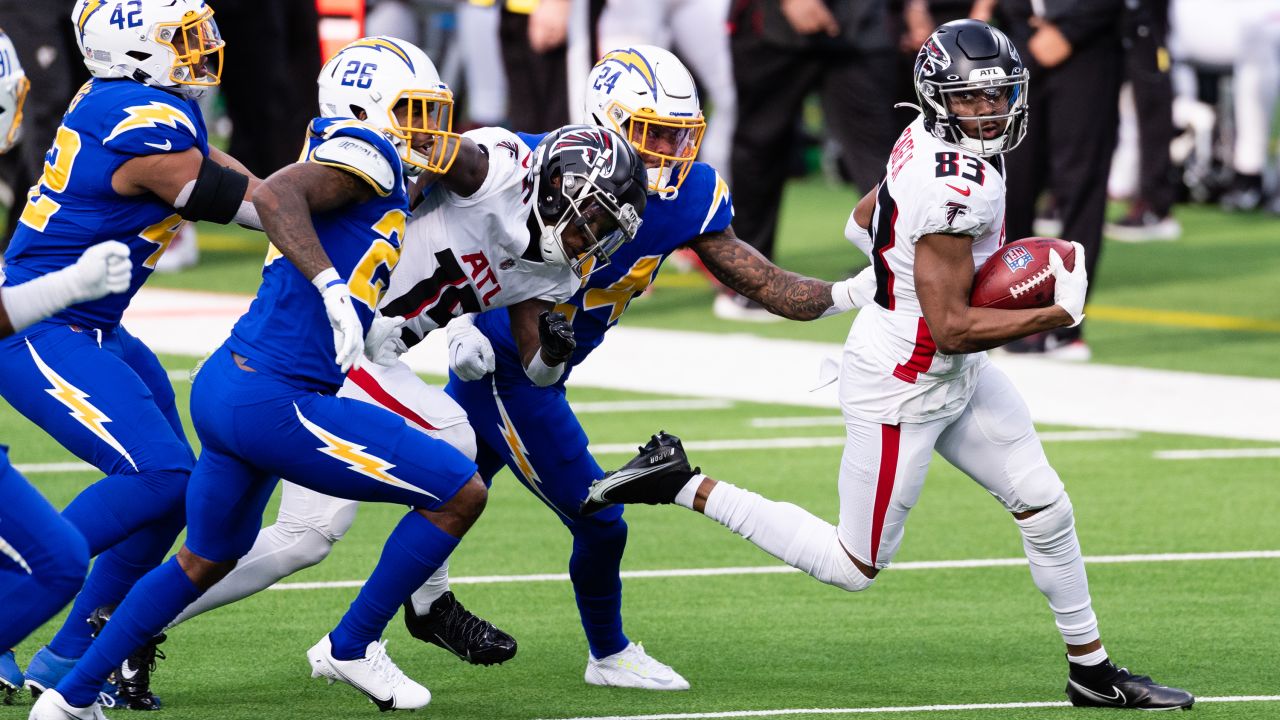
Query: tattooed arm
column 745, row 271
column 286, row 201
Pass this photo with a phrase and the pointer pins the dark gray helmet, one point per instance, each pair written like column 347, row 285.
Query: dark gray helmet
column 593, row 178
column 968, row 61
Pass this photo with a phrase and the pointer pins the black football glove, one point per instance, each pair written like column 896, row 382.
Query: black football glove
column 555, row 332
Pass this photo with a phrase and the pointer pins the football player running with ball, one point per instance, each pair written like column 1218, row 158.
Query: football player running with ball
column 129, row 164
column 914, row 378
column 264, row 404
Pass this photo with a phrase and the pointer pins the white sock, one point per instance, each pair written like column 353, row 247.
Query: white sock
column 431, row 590
column 788, row 532
column 1057, row 567
column 1094, row 658
column 685, row 497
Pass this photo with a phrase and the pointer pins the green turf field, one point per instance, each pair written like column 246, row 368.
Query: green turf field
column 759, row 642
column 762, row 642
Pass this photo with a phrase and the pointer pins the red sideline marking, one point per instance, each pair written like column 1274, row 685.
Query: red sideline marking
column 365, row 382
column 889, row 439
column 921, row 356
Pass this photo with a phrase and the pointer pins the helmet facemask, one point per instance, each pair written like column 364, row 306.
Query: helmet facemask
column 426, row 113
column 672, row 141
column 603, row 222
column 197, row 50
column 959, row 117
column 11, row 116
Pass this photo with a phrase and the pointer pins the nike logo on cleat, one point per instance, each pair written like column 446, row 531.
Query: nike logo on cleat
column 1117, row 699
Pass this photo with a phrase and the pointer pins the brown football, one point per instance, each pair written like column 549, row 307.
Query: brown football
column 1018, row 275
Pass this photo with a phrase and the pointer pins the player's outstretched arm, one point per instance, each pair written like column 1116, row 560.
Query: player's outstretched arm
column 468, row 171
column 793, row 296
column 544, row 339
column 102, row 269
column 944, row 279
column 216, row 188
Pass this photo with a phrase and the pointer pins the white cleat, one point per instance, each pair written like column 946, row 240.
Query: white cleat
column 632, row 667
column 375, row 675
column 51, row 706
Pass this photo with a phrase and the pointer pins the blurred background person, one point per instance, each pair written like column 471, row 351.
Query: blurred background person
column 1150, row 108
column 534, row 36
column 46, row 50
column 782, row 51
column 696, row 31
column 1073, row 50
column 915, row 21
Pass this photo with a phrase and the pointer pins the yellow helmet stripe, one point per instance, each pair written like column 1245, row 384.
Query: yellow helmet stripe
column 90, row 7
column 630, row 58
column 383, row 44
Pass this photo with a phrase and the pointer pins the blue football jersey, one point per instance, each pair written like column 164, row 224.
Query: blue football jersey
column 286, row 331
column 72, row 206
column 703, row 205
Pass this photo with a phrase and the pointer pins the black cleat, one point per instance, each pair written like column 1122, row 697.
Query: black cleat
column 456, row 629
column 1106, row 685
column 653, row 477
column 132, row 680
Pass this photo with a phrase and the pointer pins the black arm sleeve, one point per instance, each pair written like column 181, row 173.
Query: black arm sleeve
column 216, row 195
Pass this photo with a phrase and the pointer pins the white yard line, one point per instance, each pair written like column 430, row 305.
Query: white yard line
column 890, row 709
column 54, row 467
column 783, row 569
column 797, row 422
column 1223, row 454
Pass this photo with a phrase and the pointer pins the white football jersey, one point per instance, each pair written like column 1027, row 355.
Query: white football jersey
column 467, row 254
column 892, row 370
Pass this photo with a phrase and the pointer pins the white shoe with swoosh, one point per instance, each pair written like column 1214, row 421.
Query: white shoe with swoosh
column 632, row 667
column 375, row 675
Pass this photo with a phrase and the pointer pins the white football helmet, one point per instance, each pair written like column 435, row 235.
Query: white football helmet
column 171, row 44
column 373, row 75
column 13, row 93
column 647, row 95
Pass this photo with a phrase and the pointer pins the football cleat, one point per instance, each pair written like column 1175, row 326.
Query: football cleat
column 46, row 669
column 1109, row 686
column 10, row 677
column 653, row 477
column 132, row 680
column 52, row 706
column 632, row 667
column 375, row 675
column 454, row 628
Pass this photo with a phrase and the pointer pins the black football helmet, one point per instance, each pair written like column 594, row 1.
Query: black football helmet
column 592, row 178
column 965, row 61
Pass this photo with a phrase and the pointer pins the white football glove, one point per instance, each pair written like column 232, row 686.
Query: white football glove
column 383, row 344
column 470, row 352
column 348, row 333
column 1070, row 287
column 103, row 269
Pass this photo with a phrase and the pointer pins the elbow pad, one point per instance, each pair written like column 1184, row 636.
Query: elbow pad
column 215, row 195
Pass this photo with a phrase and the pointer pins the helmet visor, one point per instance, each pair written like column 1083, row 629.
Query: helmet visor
column 667, row 144
column 424, row 120
column 985, row 115
column 197, row 48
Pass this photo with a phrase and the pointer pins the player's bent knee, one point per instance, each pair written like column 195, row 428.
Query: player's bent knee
column 1051, row 525
column 202, row 572
column 1039, row 486
column 461, row 437
column 301, row 545
column 467, row 504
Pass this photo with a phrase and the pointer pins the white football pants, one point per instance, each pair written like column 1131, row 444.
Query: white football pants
column 881, row 475
column 309, row 522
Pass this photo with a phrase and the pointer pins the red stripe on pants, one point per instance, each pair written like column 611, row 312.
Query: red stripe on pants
column 365, row 382
column 889, row 438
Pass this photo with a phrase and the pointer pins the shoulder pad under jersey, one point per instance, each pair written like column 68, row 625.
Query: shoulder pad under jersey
column 358, row 157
